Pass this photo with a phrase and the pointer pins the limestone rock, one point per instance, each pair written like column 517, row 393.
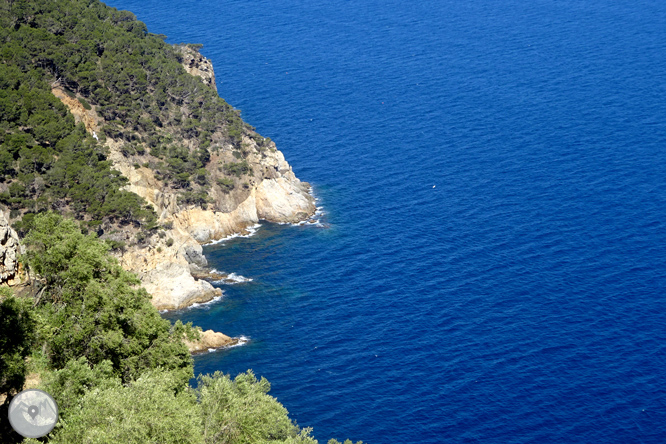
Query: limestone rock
column 280, row 200
column 210, row 340
column 166, row 271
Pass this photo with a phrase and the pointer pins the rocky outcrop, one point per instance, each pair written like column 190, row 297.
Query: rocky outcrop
column 166, row 271
column 210, row 340
column 197, row 65
column 10, row 250
column 81, row 114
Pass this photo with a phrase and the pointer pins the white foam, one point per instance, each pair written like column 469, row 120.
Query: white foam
column 247, row 232
column 204, row 304
column 242, row 340
column 198, row 304
column 315, row 219
column 231, row 278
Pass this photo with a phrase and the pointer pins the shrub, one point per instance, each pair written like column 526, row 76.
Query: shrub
column 85, row 103
column 16, row 335
column 237, row 168
column 94, row 308
column 245, row 412
column 152, row 408
column 226, row 184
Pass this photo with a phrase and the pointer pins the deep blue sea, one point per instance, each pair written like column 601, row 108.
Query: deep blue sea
column 490, row 266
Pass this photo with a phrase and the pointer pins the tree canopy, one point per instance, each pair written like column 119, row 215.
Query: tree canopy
column 94, row 308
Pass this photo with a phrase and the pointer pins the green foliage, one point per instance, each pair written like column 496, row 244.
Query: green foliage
column 69, row 384
column 155, row 408
column 240, row 411
column 226, row 184
column 200, row 177
column 24, row 225
column 16, row 335
column 199, row 198
column 237, row 168
column 94, row 307
column 85, row 103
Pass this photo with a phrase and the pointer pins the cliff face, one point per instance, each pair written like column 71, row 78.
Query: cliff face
column 266, row 189
column 166, row 271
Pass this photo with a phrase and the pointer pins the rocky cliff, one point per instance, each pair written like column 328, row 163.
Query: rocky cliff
column 264, row 188
column 197, row 65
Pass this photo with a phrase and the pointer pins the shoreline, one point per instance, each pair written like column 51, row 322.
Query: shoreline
column 212, row 341
column 211, row 275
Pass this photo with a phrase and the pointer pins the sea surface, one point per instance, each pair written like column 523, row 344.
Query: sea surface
column 490, row 261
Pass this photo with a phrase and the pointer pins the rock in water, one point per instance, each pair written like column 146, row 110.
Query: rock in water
column 210, row 340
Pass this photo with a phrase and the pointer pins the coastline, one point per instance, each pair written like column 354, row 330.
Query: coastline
column 193, row 284
column 168, row 265
column 171, row 266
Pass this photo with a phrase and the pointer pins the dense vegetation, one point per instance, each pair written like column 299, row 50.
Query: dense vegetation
column 46, row 162
column 164, row 118
column 118, row 371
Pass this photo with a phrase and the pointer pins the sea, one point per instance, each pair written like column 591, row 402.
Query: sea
column 488, row 263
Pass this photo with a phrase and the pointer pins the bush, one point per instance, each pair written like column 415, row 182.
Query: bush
column 153, row 408
column 95, row 309
column 85, row 103
column 201, row 176
column 237, row 168
column 226, row 184
column 17, row 326
column 245, row 412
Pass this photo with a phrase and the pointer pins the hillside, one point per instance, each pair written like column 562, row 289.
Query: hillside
column 107, row 123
